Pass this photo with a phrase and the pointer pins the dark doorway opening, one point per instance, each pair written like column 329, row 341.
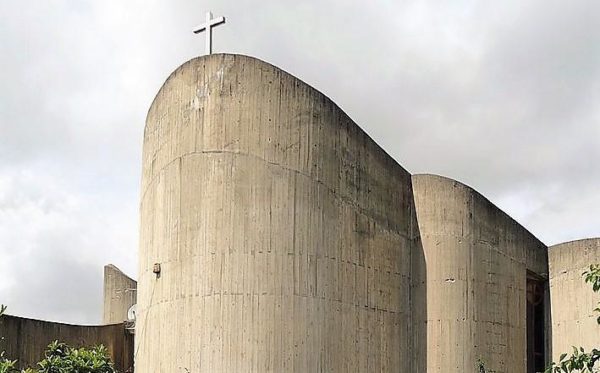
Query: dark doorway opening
column 536, row 324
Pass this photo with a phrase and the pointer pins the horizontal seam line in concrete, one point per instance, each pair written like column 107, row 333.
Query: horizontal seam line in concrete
column 471, row 246
column 560, row 275
column 402, row 274
column 254, row 156
column 280, row 295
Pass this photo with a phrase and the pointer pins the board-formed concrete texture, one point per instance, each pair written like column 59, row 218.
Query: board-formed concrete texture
column 572, row 300
column 25, row 340
column 283, row 232
column 120, row 293
column 477, row 259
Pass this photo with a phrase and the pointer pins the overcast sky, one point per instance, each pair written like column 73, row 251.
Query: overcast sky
column 503, row 96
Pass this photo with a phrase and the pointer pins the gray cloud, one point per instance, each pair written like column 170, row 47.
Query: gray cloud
column 500, row 96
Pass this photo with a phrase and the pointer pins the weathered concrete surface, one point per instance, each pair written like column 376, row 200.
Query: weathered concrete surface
column 284, row 233
column 572, row 300
column 477, row 259
column 120, row 293
column 26, row 340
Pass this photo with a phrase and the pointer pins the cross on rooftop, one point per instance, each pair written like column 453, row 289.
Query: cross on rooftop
column 207, row 26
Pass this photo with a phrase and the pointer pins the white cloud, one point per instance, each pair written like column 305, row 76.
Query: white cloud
column 53, row 243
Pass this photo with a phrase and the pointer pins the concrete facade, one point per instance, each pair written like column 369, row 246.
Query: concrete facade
column 287, row 240
column 572, row 300
column 477, row 260
column 120, row 294
column 283, row 232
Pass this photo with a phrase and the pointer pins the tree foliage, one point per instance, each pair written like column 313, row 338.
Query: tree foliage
column 60, row 358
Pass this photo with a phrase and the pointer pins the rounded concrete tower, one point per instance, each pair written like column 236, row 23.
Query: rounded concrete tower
column 573, row 300
column 478, row 263
column 276, row 235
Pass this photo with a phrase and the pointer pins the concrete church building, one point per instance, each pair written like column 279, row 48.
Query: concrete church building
column 276, row 236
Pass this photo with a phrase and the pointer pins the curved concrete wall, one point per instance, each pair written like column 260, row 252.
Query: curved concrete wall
column 284, row 233
column 120, row 293
column 477, row 259
column 572, row 300
column 26, row 340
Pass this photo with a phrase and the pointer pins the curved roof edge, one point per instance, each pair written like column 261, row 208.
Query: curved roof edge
column 116, row 269
column 274, row 67
column 474, row 191
column 208, row 57
column 574, row 242
column 447, row 179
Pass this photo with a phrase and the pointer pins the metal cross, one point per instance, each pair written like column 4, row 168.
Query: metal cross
column 207, row 26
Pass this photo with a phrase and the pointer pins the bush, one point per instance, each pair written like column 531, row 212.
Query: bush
column 60, row 358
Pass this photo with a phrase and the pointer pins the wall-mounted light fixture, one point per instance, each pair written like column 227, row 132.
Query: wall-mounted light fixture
column 156, row 270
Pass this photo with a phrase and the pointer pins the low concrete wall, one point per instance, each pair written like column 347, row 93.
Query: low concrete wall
column 26, row 340
column 120, row 293
column 572, row 300
column 477, row 259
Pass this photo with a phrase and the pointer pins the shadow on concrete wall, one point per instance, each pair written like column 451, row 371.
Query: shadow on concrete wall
column 419, row 307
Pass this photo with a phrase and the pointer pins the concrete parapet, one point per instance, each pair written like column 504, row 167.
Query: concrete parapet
column 572, row 300
column 477, row 259
column 283, row 232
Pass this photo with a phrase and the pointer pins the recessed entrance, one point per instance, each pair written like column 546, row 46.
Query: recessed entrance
column 536, row 322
